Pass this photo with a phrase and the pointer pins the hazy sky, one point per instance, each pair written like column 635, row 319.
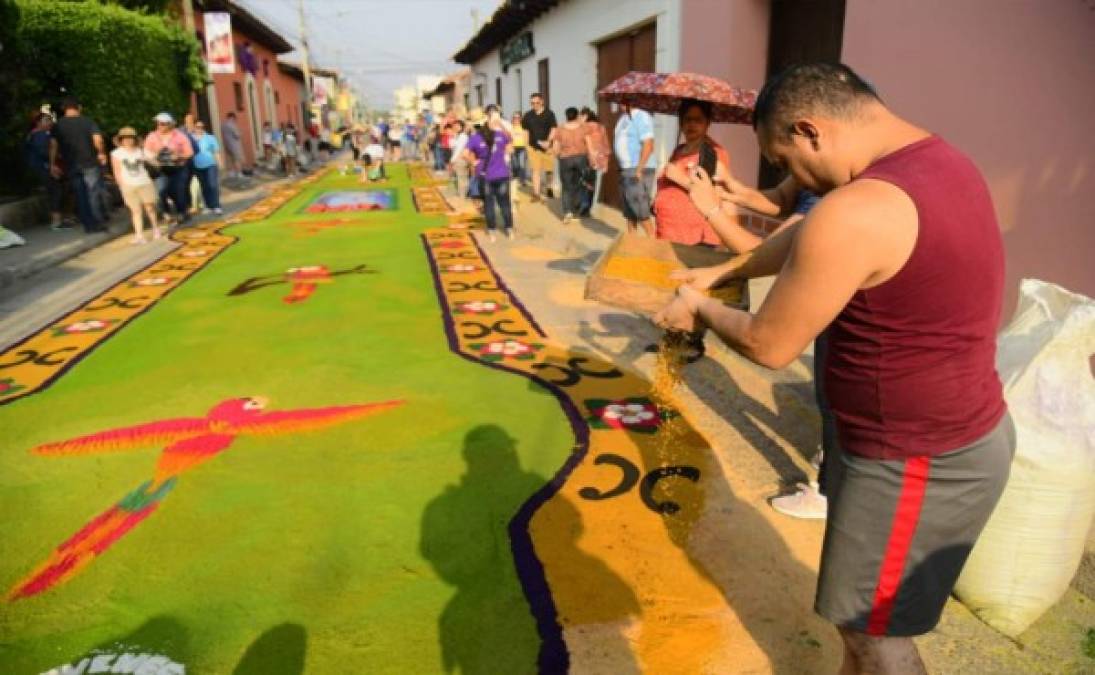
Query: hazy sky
column 379, row 45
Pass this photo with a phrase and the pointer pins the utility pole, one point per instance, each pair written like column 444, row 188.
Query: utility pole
column 209, row 93
column 307, row 70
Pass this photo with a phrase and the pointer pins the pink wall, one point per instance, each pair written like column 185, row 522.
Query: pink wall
column 287, row 88
column 1013, row 85
column 728, row 39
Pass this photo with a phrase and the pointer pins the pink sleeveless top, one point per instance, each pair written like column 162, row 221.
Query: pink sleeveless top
column 911, row 366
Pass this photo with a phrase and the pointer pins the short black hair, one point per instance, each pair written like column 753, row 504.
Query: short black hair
column 70, row 102
column 687, row 104
column 590, row 115
column 535, row 94
column 830, row 88
column 571, row 113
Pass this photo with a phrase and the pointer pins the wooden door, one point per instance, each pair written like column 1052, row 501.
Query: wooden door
column 616, row 57
column 543, row 81
column 801, row 32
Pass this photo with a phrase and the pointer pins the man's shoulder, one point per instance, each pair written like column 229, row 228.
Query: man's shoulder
column 869, row 208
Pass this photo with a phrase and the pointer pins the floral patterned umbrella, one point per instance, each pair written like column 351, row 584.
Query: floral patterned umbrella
column 663, row 93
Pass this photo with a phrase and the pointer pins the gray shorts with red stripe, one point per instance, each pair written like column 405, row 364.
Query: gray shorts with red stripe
column 899, row 532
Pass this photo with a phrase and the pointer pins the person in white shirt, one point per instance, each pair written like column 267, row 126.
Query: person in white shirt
column 634, row 146
column 459, row 164
column 128, row 162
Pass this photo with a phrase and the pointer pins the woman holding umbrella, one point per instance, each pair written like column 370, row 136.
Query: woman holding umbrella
column 676, row 218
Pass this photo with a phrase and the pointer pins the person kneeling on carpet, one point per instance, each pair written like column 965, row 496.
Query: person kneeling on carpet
column 372, row 159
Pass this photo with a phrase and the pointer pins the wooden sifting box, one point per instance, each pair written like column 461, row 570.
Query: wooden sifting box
column 633, row 273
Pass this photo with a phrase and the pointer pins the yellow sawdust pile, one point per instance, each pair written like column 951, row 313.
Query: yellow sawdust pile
column 656, row 273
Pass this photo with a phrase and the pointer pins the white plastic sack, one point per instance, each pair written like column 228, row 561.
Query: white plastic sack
column 1030, row 549
column 9, row 238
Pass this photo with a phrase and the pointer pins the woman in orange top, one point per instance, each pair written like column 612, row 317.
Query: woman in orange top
column 676, row 217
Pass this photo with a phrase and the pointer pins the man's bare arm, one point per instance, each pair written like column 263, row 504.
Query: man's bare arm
column 644, row 154
column 839, row 249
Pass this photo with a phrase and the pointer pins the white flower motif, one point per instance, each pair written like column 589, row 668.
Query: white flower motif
column 481, row 306
column 496, row 348
column 195, row 253
column 613, row 411
column 461, row 268
column 85, row 326
column 154, row 281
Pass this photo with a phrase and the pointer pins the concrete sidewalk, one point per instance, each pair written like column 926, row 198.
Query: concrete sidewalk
column 46, row 248
column 763, row 426
column 58, row 270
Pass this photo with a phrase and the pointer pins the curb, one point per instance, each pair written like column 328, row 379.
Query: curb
column 10, row 274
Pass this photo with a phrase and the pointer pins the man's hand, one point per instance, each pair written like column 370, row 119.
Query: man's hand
column 102, row 158
column 680, row 314
column 700, row 278
column 55, row 171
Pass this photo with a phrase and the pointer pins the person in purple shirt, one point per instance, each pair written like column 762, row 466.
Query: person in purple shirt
column 487, row 150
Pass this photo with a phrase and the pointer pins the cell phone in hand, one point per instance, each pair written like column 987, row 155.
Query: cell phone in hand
column 708, row 159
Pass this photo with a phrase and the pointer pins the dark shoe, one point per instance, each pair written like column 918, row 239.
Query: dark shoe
column 550, row 193
column 63, row 225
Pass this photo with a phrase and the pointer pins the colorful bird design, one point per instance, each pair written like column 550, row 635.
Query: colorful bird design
column 303, row 281
column 189, row 441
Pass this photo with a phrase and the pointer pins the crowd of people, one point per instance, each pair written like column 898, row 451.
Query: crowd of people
column 164, row 177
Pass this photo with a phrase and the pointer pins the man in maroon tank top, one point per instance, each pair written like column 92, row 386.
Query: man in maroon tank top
column 902, row 263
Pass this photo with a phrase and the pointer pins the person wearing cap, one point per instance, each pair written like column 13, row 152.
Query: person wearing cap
column 78, row 143
column 36, row 150
column 458, row 165
column 128, row 163
column 169, row 150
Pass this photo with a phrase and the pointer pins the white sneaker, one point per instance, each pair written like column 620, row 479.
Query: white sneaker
column 218, row 211
column 806, row 502
column 492, row 236
column 510, row 235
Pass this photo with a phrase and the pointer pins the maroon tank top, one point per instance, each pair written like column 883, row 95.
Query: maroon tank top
column 911, row 364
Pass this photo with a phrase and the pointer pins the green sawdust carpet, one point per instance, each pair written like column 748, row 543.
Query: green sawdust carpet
column 266, row 542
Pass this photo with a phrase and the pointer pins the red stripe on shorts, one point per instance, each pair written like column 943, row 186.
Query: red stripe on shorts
column 905, row 519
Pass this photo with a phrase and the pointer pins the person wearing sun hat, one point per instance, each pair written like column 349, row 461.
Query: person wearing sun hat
column 170, row 150
column 128, row 163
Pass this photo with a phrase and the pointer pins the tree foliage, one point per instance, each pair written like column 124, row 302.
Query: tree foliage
column 123, row 66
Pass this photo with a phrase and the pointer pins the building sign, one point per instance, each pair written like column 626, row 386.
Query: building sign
column 323, row 88
column 517, row 49
column 218, row 43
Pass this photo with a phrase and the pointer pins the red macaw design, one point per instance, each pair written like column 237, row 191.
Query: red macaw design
column 190, row 441
column 303, row 281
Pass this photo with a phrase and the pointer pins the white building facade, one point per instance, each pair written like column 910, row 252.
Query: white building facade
column 568, row 49
column 565, row 40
